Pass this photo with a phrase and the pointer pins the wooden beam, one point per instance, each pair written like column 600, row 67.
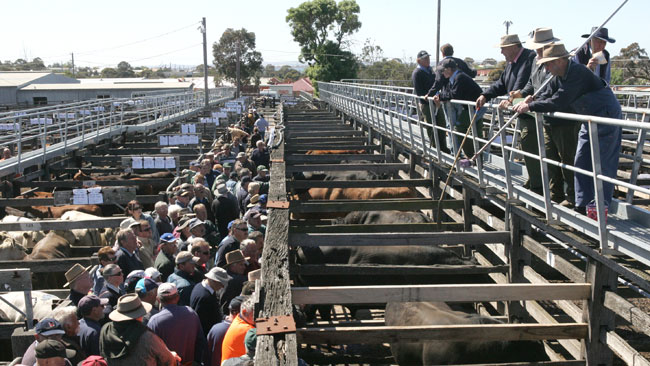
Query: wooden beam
column 323, row 133
column 358, row 183
column 18, row 279
column 331, row 158
column 483, row 332
column 401, row 239
column 48, row 265
column 378, row 168
column 322, row 146
column 562, row 265
column 387, row 204
column 62, row 224
column 626, row 310
column 623, row 349
column 395, row 270
column 378, row 228
column 104, row 183
column 328, row 140
column 451, row 293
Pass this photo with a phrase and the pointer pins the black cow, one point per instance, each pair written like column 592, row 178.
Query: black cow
column 439, row 352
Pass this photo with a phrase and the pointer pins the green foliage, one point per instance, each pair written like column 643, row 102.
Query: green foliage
column 124, row 70
column 631, row 66
column 393, row 69
column 225, row 55
column 285, row 72
column 109, row 72
column 496, row 73
column 22, row 65
column 320, row 28
column 371, row 53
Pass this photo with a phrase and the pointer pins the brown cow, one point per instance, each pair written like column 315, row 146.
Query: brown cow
column 143, row 189
column 55, row 212
column 334, row 152
column 331, row 194
column 56, row 244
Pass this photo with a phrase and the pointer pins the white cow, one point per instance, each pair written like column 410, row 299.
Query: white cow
column 41, row 303
column 85, row 237
column 10, row 249
column 26, row 238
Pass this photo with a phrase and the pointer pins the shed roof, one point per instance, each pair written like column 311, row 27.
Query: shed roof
column 105, row 86
column 11, row 78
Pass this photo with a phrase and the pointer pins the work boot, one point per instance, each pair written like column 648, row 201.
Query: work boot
column 567, row 203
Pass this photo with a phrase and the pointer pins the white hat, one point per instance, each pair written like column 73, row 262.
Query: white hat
column 151, row 273
column 167, row 289
column 219, row 275
column 221, row 190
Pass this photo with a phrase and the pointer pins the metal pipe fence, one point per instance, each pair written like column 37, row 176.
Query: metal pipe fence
column 398, row 115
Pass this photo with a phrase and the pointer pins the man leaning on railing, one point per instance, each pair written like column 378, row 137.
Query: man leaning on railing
column 575, row 89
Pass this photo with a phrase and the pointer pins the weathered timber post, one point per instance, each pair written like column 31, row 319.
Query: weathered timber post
column 599, row 318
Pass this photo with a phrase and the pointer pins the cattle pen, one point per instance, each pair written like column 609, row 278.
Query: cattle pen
column 552, row 276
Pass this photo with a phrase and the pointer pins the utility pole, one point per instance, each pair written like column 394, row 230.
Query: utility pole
column 238, row 68
column 507, row 23
column 438, row 36
column 205, row 65
column 73, row 73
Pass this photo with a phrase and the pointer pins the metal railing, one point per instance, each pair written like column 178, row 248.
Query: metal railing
column 36, row 135
column 397, row 115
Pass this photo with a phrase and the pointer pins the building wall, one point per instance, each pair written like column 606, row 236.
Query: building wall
column 26, row 97
column 7, row 96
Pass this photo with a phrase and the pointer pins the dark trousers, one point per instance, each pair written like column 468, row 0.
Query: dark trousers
column 560, row 142
column 440, row 121
column 461, row 125
column 529, row 144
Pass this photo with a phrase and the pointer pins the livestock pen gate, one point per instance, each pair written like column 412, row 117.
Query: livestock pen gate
column 550, row 281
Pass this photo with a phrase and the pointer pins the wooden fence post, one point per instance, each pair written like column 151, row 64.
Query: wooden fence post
column 599, row 318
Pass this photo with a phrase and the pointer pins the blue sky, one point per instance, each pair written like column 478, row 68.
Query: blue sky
column 104, row 33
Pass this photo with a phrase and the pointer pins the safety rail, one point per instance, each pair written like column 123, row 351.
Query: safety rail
column 36, row 135
column 396, row 114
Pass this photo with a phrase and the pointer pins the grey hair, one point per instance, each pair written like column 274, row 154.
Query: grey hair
column 252, row 186
column 122, row 235
column 246, row 243
column 62, row 314
column 248, row 305
column 174, row 209
column 159, row 204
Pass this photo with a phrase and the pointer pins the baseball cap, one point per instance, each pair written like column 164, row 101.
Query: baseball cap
column 94, row 361
column 49, row 326
column 151, row 273
column 195, row 222
column 227, row 165
column 235, row 303
column 185, row 256
column 88, row 302
column 423, row 54
column 250, row 341
column 167, row 289
column 167, row 238
column 263, row 198
column 145, row 285
column 240, row 155
column 50, row 348
column 262, row 168
column 448, row 63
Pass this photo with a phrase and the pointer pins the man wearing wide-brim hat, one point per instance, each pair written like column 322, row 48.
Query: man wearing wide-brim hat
column 560, row 136
column 79, row 281
column 126, row 341
column 236, row 268
column 575, row 89
column 594, row 55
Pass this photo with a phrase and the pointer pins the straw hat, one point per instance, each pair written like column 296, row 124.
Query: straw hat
column 541, row 37
column 553, row 52
column 129, row 307
column 74, row 273
column 255, row 275
column 253, row 201
column 509, row 40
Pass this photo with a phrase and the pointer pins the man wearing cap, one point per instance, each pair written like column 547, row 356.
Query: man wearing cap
column 105, row 256
column 206, row 296
column 233, row 342
column 113, row 289
column 183, row 198
column 515, row 76
column 147, row 290
column 127, row 258
column 184, row 277
column 255, row 221
column 178, row 326
column 197, row 230
column 224, row 208
column 67, row 316
column 182, row 231
column 262, row 174
column 575, row 89
column 47, row 328
column 79, row 281
column 126, row 341
column 51, row 352
column 91, row 309
column 218, row 332
column 225, row 175
column 594, row 55
column 459, row 86
column 260, row 155
column 423, row 79
column 235, row 266
column 244, row 162
column 238, row 232
column 165, row 259
column 560, row 136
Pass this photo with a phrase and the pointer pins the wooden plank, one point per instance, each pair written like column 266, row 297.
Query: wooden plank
column 626, row 310
column 378, row 168
column 392, row 239
column 484, row 332
column 19, row 279
column 394, row 270
column 25, row 202
column 104, row 183
column 317, row 146
column 62, row 224
column 112, row 195
column 378, row 228
column 560, row 264
column 358, row 183
column 109, row 171
column 322, row 133
column 151, row 150
column 328, row 140
column 7, row 329
column 331, row 158
column 48, row 265
column 623, row 350
column 452, row 293
column 388, row 204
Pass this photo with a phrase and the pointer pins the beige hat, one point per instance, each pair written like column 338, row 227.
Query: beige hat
column 129, row 307
column 253, row 201
column 186, row 256
column 541, row 37
column 111, row 270
column 74, row 273
column 553, row 52
column 234, row 257
column 509, row 40
column 255, row 275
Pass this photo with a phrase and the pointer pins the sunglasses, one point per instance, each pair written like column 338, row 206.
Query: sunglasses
column 117, row 274
column 136, row 208
column 205, row 253
column 145, row 229
column 242, row 228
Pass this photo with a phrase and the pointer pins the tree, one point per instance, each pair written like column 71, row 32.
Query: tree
column 371, row 53
column 124, row 70
column 469, row 61
column 393, row 69
column 225, row 55
column 631, row 66
column 269, row 71
column 496, row 73
column 109, row 72
column 320, row 28
column 490, row 62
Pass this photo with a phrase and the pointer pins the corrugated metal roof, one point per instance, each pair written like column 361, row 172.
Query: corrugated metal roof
column 106, row 86
column 8, row 78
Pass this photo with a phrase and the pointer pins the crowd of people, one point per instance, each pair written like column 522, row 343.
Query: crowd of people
column 579, row 83
column 176, row 287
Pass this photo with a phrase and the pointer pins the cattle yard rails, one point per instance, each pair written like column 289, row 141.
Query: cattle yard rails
column 548, row 277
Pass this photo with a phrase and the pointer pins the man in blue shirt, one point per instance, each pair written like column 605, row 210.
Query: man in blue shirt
column 91, row 308
column 423, row 79
column 127, row 258
column 178, row 326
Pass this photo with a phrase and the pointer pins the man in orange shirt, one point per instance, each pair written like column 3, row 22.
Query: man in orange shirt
column 233, row 342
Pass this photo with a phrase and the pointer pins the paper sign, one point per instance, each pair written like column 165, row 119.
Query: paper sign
column 192, row 128
column 79, row 197
column 170, row 162
column 18, row 114
column 95, row 196
column 164, row 140
column 8, row 126
column 194, row 139
column 185, row 140
column 99, row 109
column 148, row 162
column 40, row 121
column 185, row 128
column 136, row 162
column 65, row 115
column 159, row 162
column 85, row 112
column 174, row 140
